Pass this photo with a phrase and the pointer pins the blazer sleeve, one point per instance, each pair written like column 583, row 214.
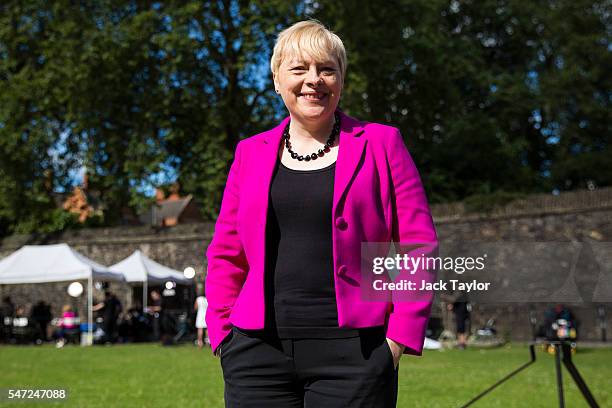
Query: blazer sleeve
column 227, row 263
column 411, row 224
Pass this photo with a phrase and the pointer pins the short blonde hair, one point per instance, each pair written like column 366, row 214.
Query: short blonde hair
column 310, row 37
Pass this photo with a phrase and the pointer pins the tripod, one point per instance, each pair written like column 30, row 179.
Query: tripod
column 562, row 348
column 562, row 353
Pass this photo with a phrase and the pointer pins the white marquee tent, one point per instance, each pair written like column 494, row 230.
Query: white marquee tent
column 55, row 263
column 138, row 268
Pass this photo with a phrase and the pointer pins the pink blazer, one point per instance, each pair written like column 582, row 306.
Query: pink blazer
column 378, row 197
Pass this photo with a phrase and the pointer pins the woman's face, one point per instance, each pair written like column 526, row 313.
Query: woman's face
column 310, row 90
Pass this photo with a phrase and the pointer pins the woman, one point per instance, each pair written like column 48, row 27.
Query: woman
column 200, row 307
column 285, row 311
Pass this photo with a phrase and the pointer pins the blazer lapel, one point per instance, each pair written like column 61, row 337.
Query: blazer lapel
column 349, row 154
column 263, row 170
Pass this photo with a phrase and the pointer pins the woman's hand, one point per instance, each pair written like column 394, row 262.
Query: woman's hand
column 397, row 350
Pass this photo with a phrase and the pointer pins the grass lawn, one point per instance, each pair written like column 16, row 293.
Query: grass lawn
column 182, row 376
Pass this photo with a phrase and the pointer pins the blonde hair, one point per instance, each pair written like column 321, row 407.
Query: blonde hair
column 312, row 38
column 67, row 308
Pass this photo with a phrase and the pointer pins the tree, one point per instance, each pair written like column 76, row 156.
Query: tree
column 226, row 91
column 130, row 90
column 32, row 120
column 480, row 90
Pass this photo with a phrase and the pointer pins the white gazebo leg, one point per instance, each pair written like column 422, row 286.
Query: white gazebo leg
column 89, row 341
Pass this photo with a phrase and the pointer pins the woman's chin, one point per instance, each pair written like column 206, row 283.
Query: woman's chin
column 314, row 112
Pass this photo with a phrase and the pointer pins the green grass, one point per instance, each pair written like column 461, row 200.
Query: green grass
column 156, row 376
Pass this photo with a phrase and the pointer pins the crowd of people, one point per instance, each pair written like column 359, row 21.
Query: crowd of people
column 113, row 324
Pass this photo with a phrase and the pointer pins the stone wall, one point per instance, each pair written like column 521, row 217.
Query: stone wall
column 568, row 217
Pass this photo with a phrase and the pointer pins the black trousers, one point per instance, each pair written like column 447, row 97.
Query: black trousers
column 261, row 370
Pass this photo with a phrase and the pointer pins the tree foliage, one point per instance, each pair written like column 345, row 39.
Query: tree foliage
column 136, row 92
column 492, row 97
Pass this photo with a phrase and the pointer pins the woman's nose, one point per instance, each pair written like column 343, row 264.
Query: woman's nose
column 314, row 76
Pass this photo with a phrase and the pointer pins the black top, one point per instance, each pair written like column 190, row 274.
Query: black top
column 112, row 308
column 299, row 284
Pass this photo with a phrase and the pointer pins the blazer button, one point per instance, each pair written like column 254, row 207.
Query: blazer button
column 342, row 270
column 341, row 223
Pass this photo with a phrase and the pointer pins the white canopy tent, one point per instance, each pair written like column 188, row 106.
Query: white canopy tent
column 138, row 268
column 55, row 263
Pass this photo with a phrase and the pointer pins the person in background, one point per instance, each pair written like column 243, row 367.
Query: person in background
column 7, row 312
column 458, row 303
column 133, row 326
column 200, row 306
column 20, row 330
column 20, row 312
column 156, row 310
column 111, row 308
column 67, row 322
column 462, row 316
column 8, row 307
column 41, row 316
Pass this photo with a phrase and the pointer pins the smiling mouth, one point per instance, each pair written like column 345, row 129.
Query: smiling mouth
column 314, row 96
